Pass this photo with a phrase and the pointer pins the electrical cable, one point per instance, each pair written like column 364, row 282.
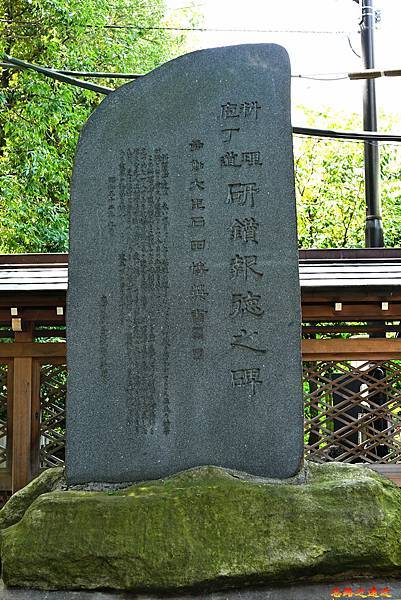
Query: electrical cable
column 199, row 29
column 90, row 74
column 107, row 75
column 345, row 135
column 313, row 78
column 58, row 76
column 365, row 74
column 302, row 136
column 360, row 136
column 111, row 75
column 352, row 48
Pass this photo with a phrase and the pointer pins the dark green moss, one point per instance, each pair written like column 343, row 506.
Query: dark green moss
column 208, row 527
column 16, row 506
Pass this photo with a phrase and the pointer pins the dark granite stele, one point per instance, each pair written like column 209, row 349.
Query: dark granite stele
column 183, row 328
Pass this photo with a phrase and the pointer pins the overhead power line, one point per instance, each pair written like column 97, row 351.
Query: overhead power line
column 94, row 74
column 344, row 135
column 321, row 78
column 367, row 74
column 58, row 76
column 374, row 73
column 139, row 27
column 360, row 136
column 355, row 75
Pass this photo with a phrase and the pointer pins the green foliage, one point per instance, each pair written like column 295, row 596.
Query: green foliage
column 329, row 177
column 40, row 119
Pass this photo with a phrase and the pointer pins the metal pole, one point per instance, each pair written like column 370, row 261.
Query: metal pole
column 374, row 225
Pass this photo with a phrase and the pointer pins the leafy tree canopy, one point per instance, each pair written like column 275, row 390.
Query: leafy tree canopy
column 329, row 180
column 40, row 119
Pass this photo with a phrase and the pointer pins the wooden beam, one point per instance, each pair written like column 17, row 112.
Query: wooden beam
column 390, row 471
column 61, row 333
column 21, row 453
column 34, row 259
column 330, row 329
column 319, row 296
column 32, row 298
column 354, row 312
column 351, row 349
column 33, row 350
column 46, row 316
column 349, row 253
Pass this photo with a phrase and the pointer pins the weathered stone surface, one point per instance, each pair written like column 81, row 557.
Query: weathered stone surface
column 184, row 313
column 19, row 502
column 208, row 528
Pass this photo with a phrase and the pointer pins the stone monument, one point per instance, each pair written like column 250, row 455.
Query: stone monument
column 183, row 302
column 184, row 360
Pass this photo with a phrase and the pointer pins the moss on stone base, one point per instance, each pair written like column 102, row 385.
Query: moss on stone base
column 15, row 508
column 208, row 527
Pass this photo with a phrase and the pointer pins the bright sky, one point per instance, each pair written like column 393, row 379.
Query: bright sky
column 311, row 53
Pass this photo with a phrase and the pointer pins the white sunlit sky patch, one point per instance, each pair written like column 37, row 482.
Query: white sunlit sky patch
column 326, row 53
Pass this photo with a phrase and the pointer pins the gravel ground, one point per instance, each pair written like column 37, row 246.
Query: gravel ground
column 353, row 589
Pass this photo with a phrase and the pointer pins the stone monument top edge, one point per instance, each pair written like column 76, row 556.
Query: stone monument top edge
column 266, row 50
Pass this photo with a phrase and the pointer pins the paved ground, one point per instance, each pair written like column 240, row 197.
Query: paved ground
column 348, row 589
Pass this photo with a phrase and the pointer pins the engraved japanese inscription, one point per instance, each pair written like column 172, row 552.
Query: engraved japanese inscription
column 183, row 306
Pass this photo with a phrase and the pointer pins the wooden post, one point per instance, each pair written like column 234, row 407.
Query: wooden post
column 21, row 454
column 21, row 418
column 35, row 418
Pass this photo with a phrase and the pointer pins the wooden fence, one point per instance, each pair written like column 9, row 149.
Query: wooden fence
column 352, row 393
column 32, row 410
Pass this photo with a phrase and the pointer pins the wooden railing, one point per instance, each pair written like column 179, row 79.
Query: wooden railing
column 24, row 407
column 352, row 405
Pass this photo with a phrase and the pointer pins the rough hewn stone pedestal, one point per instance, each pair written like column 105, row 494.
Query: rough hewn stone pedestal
column 203, row 528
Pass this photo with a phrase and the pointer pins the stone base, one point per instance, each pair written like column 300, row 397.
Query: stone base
column 203, row 529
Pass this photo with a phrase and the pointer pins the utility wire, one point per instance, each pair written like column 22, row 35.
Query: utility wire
column 374, row 73
column 94, row 74
column 354, row 75
column 360, row 136
column 365, row 74
column 58, row 76
column 109, row 75
column 352, row 48
column 301, row 136
column 322, row 78
column 167, row 28
column 345, row 135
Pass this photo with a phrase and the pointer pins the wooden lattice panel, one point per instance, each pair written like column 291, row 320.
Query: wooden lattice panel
column 353, row 411
column 52, row 415
column 3, row 416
